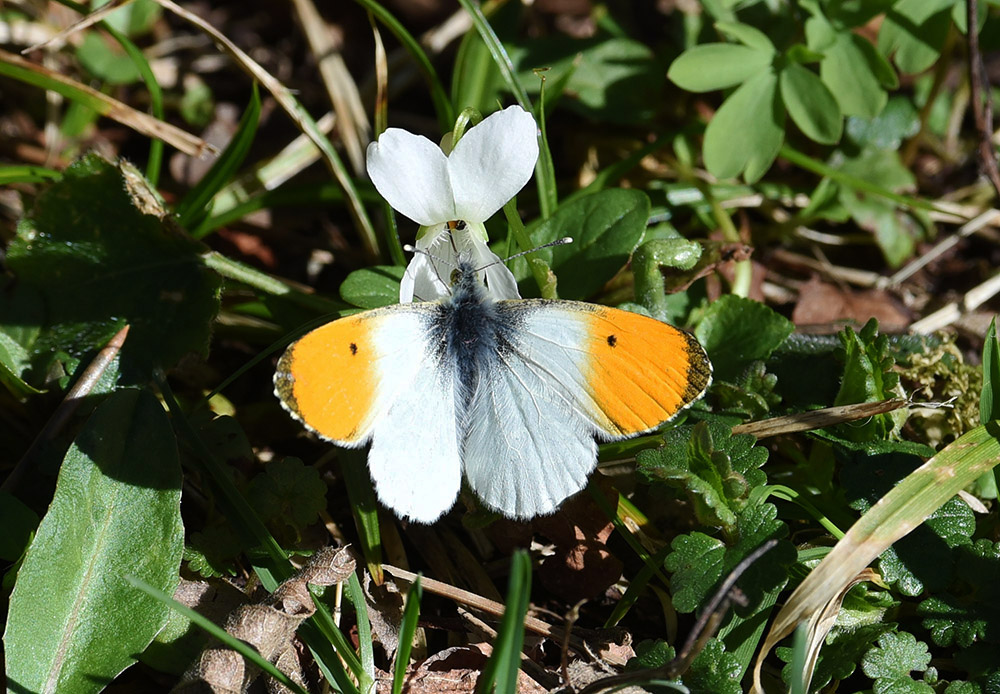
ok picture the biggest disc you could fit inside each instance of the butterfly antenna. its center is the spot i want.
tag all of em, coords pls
(558, 242)
(411, 249)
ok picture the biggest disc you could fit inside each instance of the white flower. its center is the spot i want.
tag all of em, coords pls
(487, 167)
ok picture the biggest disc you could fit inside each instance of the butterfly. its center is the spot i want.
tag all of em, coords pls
(511, 394)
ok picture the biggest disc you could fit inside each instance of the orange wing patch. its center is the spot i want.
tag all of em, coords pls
(642, 372)
(328, 379)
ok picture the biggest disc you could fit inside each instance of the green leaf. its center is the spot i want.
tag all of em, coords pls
(607, 79)
(737, 331)
(196, 205)
(747, 131)
(288, 491)
(967, 613)
(746, 34)
(101, 252)
(712, 66)
(19, 523)
(810, 104)
(134, 19)
(915, 31)
(105, 60)
(500, 672)
(884, 133)
(896, 655)
(74, 621)
(714, 671)
(989, 396)
(605, 226)
(649, 655)
(868, 377)
(715, 468)
(853, 70)
(372, 287)
(407, 629)
(698, 562)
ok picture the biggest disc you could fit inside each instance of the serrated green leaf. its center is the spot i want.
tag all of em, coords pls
(747, 131)
(968, 613)
(605, 227)
(698, 562)
(810, 104)
(115, 514)
(896, 655)
(372, 287)
(713, 671)
(650, 654)
(868, 377)
(288, 491)
(101, 252)
(737, 331)
(716, 469)
(712, 66)
(901, 685)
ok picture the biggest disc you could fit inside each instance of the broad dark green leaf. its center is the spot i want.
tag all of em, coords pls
(747, 131)
(737, 331)
(713, 66)
(810, 104)
(74, 621)
(372, 287)
(605, 227)
(100, 250)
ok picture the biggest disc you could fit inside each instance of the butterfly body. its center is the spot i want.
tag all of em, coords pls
(509, 393)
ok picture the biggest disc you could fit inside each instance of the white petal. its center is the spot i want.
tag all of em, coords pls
(421, 282)
(500, 282)
(411, 173)
(492, 162)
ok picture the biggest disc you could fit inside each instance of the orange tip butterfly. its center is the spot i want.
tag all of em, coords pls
(511, 394)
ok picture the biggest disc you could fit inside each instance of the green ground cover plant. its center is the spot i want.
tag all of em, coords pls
(807, 187)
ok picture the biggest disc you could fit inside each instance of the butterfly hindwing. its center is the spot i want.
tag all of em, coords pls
(376, 375)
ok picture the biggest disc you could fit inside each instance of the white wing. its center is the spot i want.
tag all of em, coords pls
(376, 376)
(414, 458)
(529, 445)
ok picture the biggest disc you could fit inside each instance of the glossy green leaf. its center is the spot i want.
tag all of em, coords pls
(713, 66)
(372, 287)
(101, 251)
(605, 228)
(75, 622)
(737, 331)
(746, 132)
(810, 104)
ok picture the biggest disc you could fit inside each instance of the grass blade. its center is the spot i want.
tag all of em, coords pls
(195, 206)
(407, 629)
(500, 673)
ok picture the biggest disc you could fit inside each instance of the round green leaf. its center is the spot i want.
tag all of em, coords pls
(372, 287)
(717, 66)
(810, 104)
(853, 71)
(747, 130)
(746, 34)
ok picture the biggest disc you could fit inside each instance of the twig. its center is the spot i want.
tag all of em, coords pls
(982, 102)
(817, 419)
